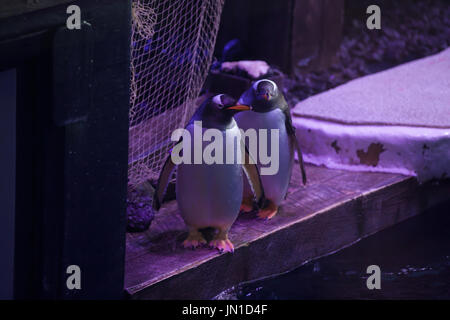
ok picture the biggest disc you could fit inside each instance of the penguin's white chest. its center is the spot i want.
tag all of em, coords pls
(278, 151)
(209, 195)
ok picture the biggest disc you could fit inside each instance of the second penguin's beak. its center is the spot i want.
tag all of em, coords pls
(240, 107)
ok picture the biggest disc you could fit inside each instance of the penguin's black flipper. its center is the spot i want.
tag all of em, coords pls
(294, 140)
(163, 180)
(292, 136)
(252, 173)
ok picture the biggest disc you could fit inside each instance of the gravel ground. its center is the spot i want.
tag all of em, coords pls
(409, 30)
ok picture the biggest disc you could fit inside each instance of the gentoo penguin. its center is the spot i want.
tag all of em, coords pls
(271, 111)
(210, 195)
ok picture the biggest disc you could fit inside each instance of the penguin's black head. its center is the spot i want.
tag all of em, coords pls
(262, 96)
(218, 111)
(265, 90)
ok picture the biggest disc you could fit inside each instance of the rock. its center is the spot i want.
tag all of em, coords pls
(393, 121)
(140, 213)
(254, 68)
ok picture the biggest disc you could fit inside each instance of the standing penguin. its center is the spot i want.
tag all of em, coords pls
(209, 195)
(271, 111)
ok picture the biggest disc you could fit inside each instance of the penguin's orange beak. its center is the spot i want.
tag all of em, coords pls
(240, 107)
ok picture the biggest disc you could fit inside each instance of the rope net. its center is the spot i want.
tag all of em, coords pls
(171, 51)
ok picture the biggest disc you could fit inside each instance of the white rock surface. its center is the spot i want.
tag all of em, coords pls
(395, 121)
(254, 68)
(421, 152)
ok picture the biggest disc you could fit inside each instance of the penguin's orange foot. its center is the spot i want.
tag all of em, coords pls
(268, 212)
(247, 204)
(223, 245)
(194, 240)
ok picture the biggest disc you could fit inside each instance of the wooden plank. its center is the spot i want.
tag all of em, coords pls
(333, 23)
(72, 54)
(96, 160)
(335, 209)
(287, 33)
(316, 33)
(263, 26)
(306, 32)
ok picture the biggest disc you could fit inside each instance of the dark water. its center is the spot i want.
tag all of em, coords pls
(414, 258)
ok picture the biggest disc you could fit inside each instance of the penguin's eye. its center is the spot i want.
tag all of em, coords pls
(218, 101)
(265, 94)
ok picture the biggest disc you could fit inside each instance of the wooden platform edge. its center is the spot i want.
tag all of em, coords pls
(317, 235)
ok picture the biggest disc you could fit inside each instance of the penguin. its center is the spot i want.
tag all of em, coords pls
(271, 111)
(210, 195)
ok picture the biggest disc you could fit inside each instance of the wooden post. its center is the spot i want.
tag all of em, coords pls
(316, 33)
(286, 32)
(72, 145)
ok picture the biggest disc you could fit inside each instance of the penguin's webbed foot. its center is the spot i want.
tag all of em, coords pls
(222, 245)
(195, 239)
(221, 242)
(247, 204)
(268, 212)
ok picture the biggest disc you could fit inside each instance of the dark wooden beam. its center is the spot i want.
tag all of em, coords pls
(9, 8)
(72, 146)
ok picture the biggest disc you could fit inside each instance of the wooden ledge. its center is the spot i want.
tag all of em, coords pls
(335, 209)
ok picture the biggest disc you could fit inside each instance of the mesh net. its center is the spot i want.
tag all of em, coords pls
(171, 52)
